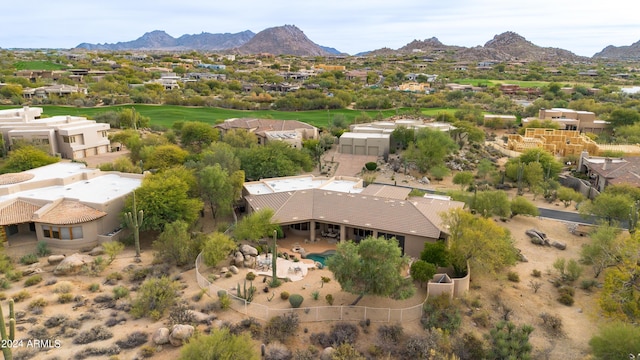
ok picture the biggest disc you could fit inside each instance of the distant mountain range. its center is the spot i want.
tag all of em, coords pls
(289, 40)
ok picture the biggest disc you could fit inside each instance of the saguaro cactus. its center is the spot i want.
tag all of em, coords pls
(275, 282)
(134, 222)
(8, 338)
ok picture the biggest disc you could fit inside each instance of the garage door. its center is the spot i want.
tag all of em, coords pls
(360, 150)
(346, 149)
(373, 150)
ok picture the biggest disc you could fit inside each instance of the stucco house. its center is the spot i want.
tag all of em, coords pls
(604, 171)
(568, 119)
(342, 209)
(72, 137)
(290, 131)
(64, 204)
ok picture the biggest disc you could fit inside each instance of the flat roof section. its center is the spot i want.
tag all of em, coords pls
(98, 190)
(303, 182)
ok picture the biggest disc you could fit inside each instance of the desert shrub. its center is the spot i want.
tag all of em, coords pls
(567, 290)
(181, 314)
(96, 333)
(120, 292)
(588, 284)
(310, 353)
(389, 336)
(220, 344)
(371, 166)
(112, 249)
(315, 295)
(94, 351)
(4, 284)
(154, 298)
(133, 340)
(198, 296)
(39, 332)
(63, 287)
(147, 351)
(38, 303)
(65, 298)
(94, 287)
(513, 276)
(442, 313)
(616, 340)
(536, 273)
(296, 300)
(277, 351)
(139, 275)
(21, 295)
(55, 320)
(284, 295)
(113, 278)
(250, 324)
(29, 259)
(552, 324)
(347, 351)
(280, 328)
(566, 299)
(508, 341)
(329, 299)
(13, 275)
(341, 333)
(104, 298)
(224, 301)
(469, 347)
(481, 318)
(42, 249)
(422, 346)
(32, 280)
(250, 276)
(3, 296)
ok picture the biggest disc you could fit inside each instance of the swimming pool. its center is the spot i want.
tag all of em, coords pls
(320, 257)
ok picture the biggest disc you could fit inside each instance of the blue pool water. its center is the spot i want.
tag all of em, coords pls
(320, 257)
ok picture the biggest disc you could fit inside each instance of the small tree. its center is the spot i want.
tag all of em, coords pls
(463, 178)
(616, 341)
(217, 246)
(219, 344)
(521, 206)
(154, 298)
(112, 249)
(422, 271)
(378, 263)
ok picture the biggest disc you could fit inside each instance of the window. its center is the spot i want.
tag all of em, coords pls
(103, 134)
(62, 232)
(68, 139)
(40, 141)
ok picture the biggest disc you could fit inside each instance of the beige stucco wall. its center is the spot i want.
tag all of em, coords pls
(89, 236)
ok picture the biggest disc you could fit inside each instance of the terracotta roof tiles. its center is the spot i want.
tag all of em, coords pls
(69, 212)
(19, 211)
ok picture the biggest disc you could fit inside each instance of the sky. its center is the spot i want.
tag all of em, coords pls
(583, 27)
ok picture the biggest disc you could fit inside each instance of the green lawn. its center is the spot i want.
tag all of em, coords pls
(166, 115)
(38, 65)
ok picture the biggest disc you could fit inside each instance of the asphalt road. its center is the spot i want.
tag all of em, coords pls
(566, 216)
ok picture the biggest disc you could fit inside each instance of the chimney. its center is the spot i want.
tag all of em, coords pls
(607, 163)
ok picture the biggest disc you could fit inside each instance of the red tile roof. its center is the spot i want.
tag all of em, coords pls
(17, 212)
(69, 212)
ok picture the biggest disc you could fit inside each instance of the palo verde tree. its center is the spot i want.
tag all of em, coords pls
(429, 149)
(26, 158)
(255, 226)
(372, 266)
(165, 199)
(482, 243)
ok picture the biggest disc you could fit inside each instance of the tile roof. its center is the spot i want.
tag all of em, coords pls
(262, 125)
(624, 172)
(418, 217)
(17, 212)
(68, 212)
